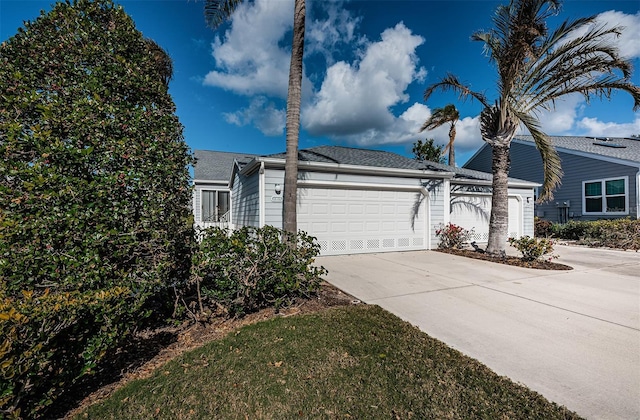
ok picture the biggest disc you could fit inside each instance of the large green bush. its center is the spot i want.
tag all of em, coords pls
(613, 233)
(254, 268)
(94, 195)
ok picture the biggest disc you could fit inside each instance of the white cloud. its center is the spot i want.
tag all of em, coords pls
(354, 100)
(562, 117)
(629, 40)
(326, 35)
(595, 127)
(263, 114)
(250, 59)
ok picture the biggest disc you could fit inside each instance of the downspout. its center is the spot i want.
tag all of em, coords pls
(638, 195)
(261, 196)
(446, 196)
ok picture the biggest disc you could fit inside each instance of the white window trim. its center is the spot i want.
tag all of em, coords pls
(217, 191)
(604, 197)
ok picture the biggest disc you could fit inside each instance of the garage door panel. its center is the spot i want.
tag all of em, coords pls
(359, 221)
(355, 209)
(339, 227)
(320, 227)
(372, 209)
(356, 227)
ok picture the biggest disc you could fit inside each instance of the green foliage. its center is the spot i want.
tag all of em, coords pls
(533, 248)
(427, 151)
(94, 196)
(572, 230)
(613, 233)
(542, 228)
(452, 236)
(254, 268)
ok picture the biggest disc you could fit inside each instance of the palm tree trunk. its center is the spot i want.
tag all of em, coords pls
(499, 221)
(452, 150)
(293, 119)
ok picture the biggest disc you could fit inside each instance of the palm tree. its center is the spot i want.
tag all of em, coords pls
(448, 114)
(535, 68)
(216, 12)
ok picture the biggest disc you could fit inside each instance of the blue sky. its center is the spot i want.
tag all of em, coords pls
(367, 64)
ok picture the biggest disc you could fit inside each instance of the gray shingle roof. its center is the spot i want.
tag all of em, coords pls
(217, 166)
(379, 159)
(212, 165)
(625, 148)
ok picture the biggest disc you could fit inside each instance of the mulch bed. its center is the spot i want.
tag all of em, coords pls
(508, 260)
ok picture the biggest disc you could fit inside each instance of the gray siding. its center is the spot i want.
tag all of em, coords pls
(245, 195)
(481, 161)
(576, 170)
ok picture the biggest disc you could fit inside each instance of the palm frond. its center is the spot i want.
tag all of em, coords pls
(217, 12)
(440, 116)
(451, 83)
(550, 158)
(589, 65)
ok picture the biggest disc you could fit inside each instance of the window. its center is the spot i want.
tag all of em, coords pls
(605, 196)
(215, 205)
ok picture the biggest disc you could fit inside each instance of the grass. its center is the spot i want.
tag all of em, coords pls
(350, 362)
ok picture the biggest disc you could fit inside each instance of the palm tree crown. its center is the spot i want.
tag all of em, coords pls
(535, 68)
(448, 114)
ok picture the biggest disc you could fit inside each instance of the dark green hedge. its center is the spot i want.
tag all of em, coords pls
(94, 195)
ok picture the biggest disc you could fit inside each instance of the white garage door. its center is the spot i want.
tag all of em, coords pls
(473, 211)
(349, 221)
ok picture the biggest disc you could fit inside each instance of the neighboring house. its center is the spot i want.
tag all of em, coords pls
(211, 193)
(601, 176)
(358, 201)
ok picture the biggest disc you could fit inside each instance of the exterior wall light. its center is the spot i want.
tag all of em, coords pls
(278, 189)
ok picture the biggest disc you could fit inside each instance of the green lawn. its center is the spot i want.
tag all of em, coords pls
(349, 362)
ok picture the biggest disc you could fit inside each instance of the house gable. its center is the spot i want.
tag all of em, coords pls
(584, 159)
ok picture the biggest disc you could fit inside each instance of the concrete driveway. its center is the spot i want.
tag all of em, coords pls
(573, 336)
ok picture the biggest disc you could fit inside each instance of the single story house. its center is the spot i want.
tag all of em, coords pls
(357, 200)
(601, 175)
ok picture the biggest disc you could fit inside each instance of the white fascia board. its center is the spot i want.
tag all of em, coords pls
(511, 183)
(352, 169)
(210, 182)
(361, 186)
(603, 158)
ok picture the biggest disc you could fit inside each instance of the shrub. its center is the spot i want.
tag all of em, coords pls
(94, 196)
(572, 230)
(254, 268)
(532, 248)
(542, 228)
(613, 233)
(452, 236)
